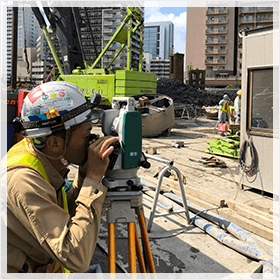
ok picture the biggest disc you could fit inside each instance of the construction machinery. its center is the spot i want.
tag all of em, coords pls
(157, 118)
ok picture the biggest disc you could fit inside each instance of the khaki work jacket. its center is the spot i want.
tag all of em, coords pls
(39, 231)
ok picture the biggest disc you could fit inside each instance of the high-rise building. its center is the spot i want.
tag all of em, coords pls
(159, 39)
(28, 31)
(104, 23)
(213, 43)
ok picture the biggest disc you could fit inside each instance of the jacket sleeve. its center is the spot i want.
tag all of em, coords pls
(69, 240)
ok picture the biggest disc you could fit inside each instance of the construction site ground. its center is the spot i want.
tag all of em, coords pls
(181, 248)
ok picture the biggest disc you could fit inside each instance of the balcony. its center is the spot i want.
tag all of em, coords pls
(217, 11)
(215, 51)
(264, 9)
(210, 11)
(215, 61)
(223, 11)
(215, 31)
(222, 61)
(246, 10)
(216, 21)
(222, 41)
(107, 30)
(265, 18)
(210, 42)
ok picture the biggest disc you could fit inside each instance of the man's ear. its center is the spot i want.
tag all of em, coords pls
(55, 144)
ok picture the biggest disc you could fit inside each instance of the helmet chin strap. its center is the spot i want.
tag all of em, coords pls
(63, 160)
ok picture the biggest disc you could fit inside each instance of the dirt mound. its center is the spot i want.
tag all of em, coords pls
(185, 96)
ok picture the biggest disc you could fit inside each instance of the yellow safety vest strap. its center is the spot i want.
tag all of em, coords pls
(30, 161)
(17, 159)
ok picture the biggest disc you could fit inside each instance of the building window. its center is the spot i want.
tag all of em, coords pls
(209, 39)
(210, 19)
(222, 39)
(260, 91)
(222, 68)
(210, 29)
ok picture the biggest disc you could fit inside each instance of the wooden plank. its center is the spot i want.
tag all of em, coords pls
(263, 218)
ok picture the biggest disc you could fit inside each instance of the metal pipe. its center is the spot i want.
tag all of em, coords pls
(52, 48)
(166, 161)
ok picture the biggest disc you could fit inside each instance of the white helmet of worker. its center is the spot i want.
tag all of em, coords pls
(56, 106)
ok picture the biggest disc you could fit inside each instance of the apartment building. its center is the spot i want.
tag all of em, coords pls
(159, 39)
(104, 23)
(248, 18)
(160, 67)
(213, 43)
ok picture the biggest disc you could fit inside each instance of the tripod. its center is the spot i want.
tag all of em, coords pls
(122, 207)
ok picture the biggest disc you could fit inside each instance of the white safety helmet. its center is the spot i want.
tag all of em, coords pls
(56, 106)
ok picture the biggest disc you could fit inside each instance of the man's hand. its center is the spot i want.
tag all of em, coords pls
(98, 157)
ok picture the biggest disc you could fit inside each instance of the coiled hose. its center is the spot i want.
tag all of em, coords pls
(251, 169)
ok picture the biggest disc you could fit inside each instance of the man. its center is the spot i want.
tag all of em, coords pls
(224, 109)
(51, 228)
(237, 107)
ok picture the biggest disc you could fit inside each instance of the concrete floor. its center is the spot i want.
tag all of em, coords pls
(176, 246)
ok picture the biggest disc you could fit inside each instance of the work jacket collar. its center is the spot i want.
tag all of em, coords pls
(56, 177)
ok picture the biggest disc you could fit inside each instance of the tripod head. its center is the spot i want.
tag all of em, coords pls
(126, 123)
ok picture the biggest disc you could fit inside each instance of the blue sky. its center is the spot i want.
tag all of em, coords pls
(178, 15)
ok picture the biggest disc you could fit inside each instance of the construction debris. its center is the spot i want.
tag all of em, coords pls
(213, 162)
(189, 99)
(177, 144)
(151, 151)
(210, 162)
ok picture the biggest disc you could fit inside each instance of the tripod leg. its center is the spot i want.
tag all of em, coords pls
(139, 254)
(131, 248)
(111, 248)
(146, 243)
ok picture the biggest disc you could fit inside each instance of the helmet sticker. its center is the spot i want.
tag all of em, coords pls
(53, 95)
(60, 104)
(61, 93)
(45, 97)
(34, 94)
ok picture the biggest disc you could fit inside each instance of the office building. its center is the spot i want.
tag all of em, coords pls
(28, 32)
(213, 43)
(159, 39)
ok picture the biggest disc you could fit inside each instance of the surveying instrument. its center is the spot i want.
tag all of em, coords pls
(124, 195)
